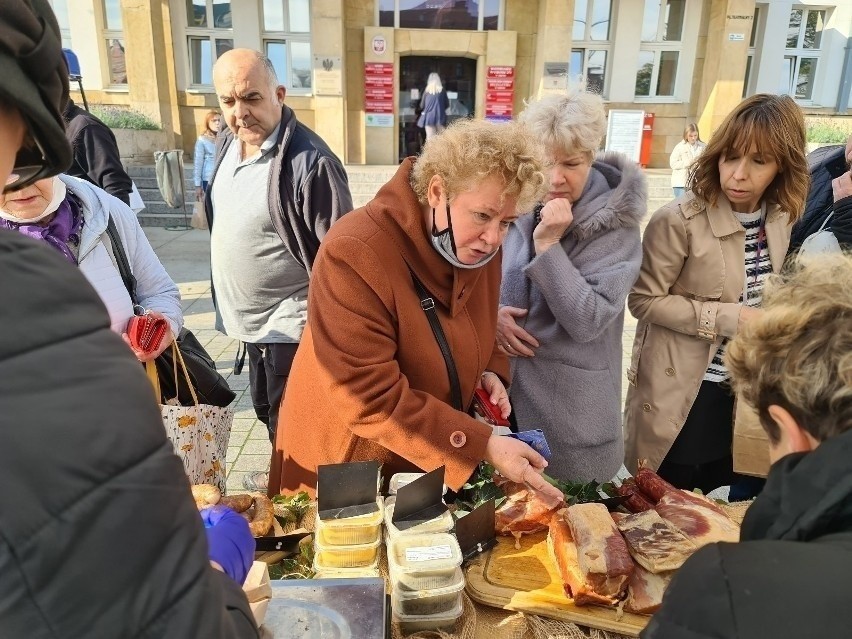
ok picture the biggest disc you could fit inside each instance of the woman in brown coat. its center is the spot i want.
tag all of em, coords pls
(369, 381)
(705, 258)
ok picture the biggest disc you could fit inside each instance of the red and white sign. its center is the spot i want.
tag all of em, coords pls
(498, 109)
(500, 84)
(378, 87)
(499, 97)
(501, 72)
(378, 68)
(379, 106)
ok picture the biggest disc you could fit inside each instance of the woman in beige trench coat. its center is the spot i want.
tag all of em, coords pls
(701, 253)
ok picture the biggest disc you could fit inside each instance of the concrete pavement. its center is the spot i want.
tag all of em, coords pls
(186, 256)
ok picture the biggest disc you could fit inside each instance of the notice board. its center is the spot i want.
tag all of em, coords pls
(624, 132)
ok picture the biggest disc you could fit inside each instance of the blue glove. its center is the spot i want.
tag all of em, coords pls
(230, 541)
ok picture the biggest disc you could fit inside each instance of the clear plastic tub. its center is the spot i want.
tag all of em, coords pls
(437, 554)
(354, 556)
(441, 524)
(399, 480)
(347, 573)
(419, 581)
(441, 621)
(428, 601)
(363, 529)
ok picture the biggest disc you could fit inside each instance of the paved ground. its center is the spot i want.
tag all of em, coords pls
(186, 256)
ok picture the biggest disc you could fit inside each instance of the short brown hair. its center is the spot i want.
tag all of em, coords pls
(798, 352)
(469, 151)
(775, 125)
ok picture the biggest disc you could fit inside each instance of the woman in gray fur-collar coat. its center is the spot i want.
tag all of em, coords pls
(567, 271)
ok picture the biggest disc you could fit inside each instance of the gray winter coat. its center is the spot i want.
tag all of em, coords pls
(575, 294)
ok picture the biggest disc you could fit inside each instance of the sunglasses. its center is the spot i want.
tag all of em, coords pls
(31, 165)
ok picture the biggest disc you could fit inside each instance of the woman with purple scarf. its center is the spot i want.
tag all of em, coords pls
(71, 216)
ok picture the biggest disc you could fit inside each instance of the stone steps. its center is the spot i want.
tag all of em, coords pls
(364, 182)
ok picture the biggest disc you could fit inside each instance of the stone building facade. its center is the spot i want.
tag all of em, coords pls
(355, 69)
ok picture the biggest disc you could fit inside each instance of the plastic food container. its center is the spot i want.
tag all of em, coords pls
(399, 480)
(354, 556)
(363, 529)
(347, 573)
(434, 555)
(419, 581)
(428, 602)
(441, 524)
(414, 623)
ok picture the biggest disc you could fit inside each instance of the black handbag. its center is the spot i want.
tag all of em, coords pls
(210, 387)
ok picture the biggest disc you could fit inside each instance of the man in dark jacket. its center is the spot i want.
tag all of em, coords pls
(275, 191)
(96, 156)
(825, 165)
(788, 577)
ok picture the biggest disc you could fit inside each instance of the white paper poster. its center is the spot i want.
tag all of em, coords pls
(624, 132)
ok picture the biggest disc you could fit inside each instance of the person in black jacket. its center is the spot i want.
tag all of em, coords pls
(96, 156)
(826, 164)
(99, 536)
(788, 577)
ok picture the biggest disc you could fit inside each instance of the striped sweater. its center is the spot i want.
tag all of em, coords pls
(757, 268)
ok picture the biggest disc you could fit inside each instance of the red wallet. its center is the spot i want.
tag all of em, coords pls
(146, 332)
(488, 411)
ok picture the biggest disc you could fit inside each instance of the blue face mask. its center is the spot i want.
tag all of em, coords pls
(445, 244)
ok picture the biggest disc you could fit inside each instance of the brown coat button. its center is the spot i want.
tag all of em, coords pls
(646, 408)
(458, 439)
(670, 372)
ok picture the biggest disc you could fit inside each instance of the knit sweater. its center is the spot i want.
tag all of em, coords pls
(575, 293)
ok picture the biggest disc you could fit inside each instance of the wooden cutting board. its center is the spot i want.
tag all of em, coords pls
(526, 580)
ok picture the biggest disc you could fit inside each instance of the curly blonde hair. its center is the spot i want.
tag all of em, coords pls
(798, 352)
(469, 151)
(571, 123)
(774, 124)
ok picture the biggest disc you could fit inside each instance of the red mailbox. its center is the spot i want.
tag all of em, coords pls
(647, 134)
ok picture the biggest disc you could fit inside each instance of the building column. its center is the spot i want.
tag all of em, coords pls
(553, 44)
(725, 61)
(150, 69)
(381, 142)
(329, 110)
(769, 78)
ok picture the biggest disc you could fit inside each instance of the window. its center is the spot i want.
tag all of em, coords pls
(287, 42)
(60, 8)
(470, 15)
(801, 57)
(657, 63)
(209, 35)
(592, 38)
(751, 64)
(113, 35)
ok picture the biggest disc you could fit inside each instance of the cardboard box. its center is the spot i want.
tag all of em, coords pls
(751, 443)
(258, 590)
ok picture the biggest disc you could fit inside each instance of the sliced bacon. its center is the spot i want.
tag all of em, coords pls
(645, 591)
(654, 543)
(525, 511)
(701, 520)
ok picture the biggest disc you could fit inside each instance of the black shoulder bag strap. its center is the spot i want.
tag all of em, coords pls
(427, 303)
(123, 265)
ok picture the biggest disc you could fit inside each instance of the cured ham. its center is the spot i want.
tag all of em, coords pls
(654, 543)
(591, 555)
(525, 511)
(699, 519)
(645, 591)
(575, 581)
